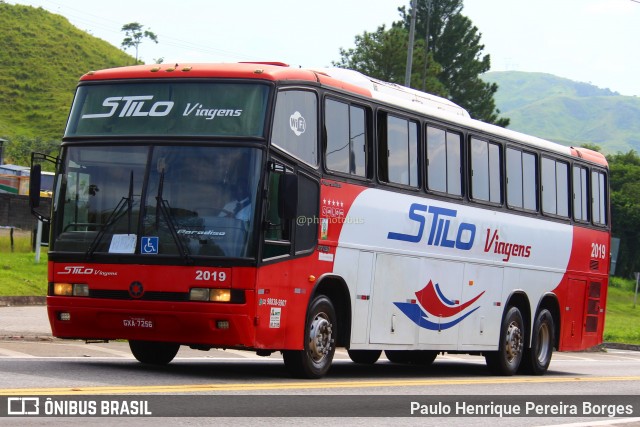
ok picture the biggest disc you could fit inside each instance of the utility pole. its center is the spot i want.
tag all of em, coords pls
(412, 30)
(426, 47)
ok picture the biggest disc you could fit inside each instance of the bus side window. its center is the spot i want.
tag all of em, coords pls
(398, 151)
(486, 174)
(521, 180)
(444, 161)
(580, 198)
(277, 232)
(308, 211)
(555, 187)
(345, 127)
(295, 124)
(599, 197)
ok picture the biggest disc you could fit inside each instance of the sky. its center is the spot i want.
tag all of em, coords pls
(593, 41)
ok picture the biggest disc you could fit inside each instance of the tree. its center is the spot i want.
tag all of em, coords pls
(18, 150)
(134, 35)
(454, 59)
(383, 54)
(455, 43)
(624, 184)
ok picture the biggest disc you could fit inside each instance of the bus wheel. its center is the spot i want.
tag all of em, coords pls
(154, 353)
(319, 343)
(413, 357)
(537, 358)
(507, 359)
(366, 357)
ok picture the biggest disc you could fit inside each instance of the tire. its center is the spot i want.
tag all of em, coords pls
(537, 358)
(315, 359)
(506, 360)
(411, 357)
(365, 357)
(154, 353)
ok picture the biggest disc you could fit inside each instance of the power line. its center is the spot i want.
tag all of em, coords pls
(108, 25)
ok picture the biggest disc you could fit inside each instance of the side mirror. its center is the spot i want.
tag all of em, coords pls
(288, 196)
(35, 184)
(35, 178)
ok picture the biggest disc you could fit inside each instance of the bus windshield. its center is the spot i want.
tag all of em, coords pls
(195, 109)
(157, 200)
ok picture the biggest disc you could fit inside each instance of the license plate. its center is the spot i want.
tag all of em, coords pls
(137, 322)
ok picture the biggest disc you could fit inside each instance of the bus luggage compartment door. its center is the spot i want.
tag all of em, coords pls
(403, 290)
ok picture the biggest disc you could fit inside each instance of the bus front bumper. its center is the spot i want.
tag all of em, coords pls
(209, 324)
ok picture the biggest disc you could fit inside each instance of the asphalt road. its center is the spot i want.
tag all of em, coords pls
(34, 364)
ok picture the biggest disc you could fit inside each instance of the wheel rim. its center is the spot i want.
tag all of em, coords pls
(544, 344)
(514, 342)
(320, 341)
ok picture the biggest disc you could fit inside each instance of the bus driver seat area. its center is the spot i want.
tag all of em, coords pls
(224, 219)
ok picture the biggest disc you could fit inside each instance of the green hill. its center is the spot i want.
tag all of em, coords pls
(42, 57)
(566, 111)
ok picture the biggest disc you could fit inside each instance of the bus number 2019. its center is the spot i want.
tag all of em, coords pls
(214, 276)
(598, 251)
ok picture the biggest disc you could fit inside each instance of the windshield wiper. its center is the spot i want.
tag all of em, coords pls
(116, 214)
(163, 206)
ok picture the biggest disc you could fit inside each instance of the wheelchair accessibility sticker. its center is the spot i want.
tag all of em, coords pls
(149, 245)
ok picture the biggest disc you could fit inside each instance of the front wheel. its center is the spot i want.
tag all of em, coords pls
(154, 353)
(507, 359)
(537, 358)
(319, 342)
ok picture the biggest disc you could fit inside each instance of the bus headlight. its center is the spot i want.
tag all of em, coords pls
(207, 294)
(71, 289)
(199, 294)
(81, 290)
(220, 295)
(63, 289)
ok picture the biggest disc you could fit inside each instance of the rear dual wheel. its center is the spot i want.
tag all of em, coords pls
(537, 358)
(513, 354)
(506, 360)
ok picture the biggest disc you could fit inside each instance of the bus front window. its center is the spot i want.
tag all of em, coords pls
(99, 197)
(198, 201)
(201, 200)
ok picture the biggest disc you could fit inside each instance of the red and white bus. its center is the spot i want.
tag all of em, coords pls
(259, 207)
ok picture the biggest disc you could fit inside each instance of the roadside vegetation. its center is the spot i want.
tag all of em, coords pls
(622, 319)
(19, 273)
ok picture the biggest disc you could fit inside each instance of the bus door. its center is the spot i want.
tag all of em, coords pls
(573, 312)
(481, 289)
(362, 304)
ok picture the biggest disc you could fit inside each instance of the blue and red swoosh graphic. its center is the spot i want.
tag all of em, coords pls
(432, 301)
